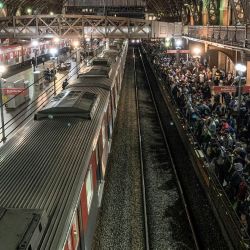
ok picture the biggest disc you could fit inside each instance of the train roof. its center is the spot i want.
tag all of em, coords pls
(43, 167)
(111, 51)
(99, 71)
(95, 71)
(111, 54)
(100, 82)
(70, 103)
(100, 61)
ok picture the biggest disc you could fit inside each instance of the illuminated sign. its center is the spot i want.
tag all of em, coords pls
(230, 89)
(175, 51)
(14, 91)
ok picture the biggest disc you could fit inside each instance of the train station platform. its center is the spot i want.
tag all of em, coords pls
(39, 95)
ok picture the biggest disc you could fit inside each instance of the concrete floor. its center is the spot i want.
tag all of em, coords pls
(39, 96)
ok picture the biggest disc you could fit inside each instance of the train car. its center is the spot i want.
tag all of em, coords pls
(52, 171)
(16, 54)
(110, 65)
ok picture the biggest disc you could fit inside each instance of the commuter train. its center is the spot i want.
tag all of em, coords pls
(16, 54)
(53, 170)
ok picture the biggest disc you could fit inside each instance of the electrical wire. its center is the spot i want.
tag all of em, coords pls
(39, 98)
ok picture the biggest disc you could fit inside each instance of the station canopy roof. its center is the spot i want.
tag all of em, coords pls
(163, 9)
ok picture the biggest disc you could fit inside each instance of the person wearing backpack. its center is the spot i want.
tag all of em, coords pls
(65, 84)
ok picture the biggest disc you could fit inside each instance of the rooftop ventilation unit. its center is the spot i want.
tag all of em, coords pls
(21, 229)
(101, 62)
(95, 71)
(75, 104)
(98, 82)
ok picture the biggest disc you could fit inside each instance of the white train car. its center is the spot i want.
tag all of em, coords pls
(52, 172)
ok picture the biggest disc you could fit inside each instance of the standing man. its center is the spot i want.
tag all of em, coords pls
(43, 60)
(33, 62)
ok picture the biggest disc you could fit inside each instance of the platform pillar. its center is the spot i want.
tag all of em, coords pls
(225, 13)
(204, 16)
(191, 20)
(248, 74)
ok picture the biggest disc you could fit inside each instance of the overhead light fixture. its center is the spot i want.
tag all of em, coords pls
(29, 11)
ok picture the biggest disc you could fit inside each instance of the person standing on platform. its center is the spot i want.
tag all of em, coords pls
(43, 60)
(33, 62)
(65, 84)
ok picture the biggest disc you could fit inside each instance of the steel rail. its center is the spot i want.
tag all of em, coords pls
(171, 158)
(144, 200)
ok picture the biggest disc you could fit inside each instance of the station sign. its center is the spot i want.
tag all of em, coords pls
(14, 91)
(230, 89)
(246, 89)
(224, 89)
(175, 51)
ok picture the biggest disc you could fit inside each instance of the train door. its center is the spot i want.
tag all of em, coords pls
(114, 99)
(109, 124)
(75, 233)
(81, 230)
(117, 88)
(73, 241)
(99, 175)
(87, 208)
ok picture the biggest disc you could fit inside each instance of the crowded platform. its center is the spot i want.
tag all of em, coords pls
(216, 107)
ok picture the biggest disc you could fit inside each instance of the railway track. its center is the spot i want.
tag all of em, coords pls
(167, 213)
(120, 221)
(160, 223)
(205, 229)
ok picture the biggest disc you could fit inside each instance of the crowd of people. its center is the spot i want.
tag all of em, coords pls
(219, 121)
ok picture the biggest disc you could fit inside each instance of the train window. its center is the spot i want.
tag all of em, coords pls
(89, 187)
(75, 231)
(103, 134)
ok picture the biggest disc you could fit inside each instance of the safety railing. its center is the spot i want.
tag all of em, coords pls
(229, 35)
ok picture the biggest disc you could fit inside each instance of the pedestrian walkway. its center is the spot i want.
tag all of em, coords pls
(39, 96)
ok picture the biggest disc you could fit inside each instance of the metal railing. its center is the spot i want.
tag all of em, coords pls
(30, 108)
(73, 26)
(228, 35)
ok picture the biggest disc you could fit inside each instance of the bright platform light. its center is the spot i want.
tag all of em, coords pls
(76, 43)
(240, 67)
(34, 43)
(53, 51)
(56, 39)
(2, 69)
(178, 43)
(197, 51)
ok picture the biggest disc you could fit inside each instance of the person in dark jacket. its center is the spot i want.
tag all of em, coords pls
(33, 62)
(65, 84)
(235, 181)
